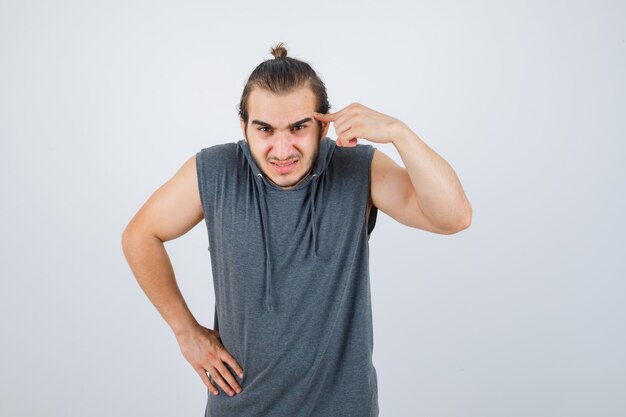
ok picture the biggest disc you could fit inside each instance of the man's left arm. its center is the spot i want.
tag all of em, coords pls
(427, 194)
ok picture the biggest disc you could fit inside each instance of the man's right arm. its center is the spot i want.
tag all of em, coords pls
(171, 211)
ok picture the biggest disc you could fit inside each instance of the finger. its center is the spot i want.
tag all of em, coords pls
(348, 137)
(226, 380)
(330, 117)
(230, 360)
(347, 143)
(351, 143)
(342, 125)
(219, 381)
(206, 381)
(325, 117)
(230, 378)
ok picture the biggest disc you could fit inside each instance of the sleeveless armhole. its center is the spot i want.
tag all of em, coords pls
(201, 172)
(371, 221)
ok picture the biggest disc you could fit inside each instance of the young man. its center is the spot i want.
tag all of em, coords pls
(288, 214)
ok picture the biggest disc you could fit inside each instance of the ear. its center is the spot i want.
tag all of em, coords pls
(243, 128)
(325, 126)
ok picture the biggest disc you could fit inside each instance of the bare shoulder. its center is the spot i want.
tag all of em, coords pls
(174, 208)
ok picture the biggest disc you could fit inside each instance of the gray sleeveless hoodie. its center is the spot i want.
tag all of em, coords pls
(291, 279)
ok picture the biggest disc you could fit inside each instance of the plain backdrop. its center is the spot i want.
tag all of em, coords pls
(522, 314)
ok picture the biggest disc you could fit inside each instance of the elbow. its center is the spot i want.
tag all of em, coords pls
(129, 237)
(135, 235)
(126, 238)
(467, 217)
(464, 222)
(467, 221)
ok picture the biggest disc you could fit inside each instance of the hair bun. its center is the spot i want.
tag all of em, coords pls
(279, 51)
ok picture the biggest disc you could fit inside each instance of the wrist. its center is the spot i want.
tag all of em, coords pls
(181, 329)
(402, 135)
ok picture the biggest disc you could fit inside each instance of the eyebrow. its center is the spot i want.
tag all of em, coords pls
(294, 124)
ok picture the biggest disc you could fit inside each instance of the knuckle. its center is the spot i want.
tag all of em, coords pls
(225, 356)
(206, 357)
(223, 370)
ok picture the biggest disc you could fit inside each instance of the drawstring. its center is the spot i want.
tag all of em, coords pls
(260, 189)
(266, 242)
(268, 266)
(312, 203)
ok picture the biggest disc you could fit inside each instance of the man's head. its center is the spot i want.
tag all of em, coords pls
(276, 115)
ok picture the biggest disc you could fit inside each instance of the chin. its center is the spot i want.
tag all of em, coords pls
(287, 181)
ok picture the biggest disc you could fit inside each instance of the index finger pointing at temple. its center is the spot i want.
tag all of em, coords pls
(328, 117)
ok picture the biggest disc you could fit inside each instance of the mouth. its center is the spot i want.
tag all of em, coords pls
(285, 167)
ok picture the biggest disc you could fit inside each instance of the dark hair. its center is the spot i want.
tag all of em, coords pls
(282, 75)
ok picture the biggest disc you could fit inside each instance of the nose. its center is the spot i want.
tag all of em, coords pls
(283, 148)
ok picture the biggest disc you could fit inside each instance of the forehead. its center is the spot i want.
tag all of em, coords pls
(281, 109)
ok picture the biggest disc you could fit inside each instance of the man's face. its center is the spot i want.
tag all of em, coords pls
(282, 134)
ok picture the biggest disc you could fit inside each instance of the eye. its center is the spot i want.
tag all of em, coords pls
(263, 127)
(302, 126)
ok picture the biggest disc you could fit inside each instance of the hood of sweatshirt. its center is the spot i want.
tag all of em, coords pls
(324, 155)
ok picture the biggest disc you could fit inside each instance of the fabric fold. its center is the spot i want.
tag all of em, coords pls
(322, 159)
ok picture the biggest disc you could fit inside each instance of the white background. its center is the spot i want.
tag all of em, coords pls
(522, 314)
